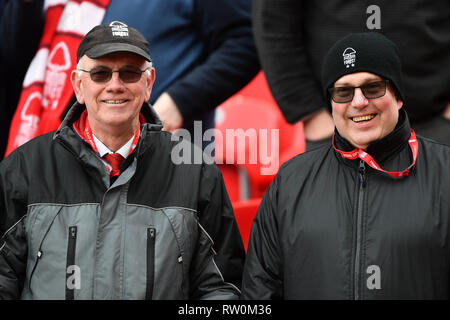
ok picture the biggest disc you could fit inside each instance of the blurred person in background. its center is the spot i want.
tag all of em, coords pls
(292, 36)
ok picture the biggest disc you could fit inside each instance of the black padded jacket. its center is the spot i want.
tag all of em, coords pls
(333, 228)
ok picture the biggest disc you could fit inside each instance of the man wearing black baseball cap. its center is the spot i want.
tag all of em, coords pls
(98, 210)
(367, 217)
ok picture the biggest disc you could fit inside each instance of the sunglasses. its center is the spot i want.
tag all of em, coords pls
(128, 74)
(371, 90)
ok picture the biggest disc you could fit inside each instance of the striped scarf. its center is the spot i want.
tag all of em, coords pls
(47, 89)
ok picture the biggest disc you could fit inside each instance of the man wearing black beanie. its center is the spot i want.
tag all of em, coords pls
(293, 36)
(367, 217)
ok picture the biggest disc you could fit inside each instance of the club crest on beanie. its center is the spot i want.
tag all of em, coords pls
(113, 37)
(362, 52)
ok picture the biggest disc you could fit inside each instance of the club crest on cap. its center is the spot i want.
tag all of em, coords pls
(349, 57)
(119, 29)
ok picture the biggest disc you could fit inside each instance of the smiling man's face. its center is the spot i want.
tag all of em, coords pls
(363, 120)
(114, 104)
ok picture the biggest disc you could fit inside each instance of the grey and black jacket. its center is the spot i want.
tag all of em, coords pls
(160, 231)
(334, 228)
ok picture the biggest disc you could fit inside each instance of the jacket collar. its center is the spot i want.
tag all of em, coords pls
(71, 140)
(385, 147)
(83, 152)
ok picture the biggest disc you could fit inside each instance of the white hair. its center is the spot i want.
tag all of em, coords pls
(148, 66)
(79, 72)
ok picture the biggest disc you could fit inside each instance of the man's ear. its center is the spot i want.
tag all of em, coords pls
(151, 75)
(399, 100)
(77, 86)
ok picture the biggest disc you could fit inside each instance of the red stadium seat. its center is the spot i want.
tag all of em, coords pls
(252, 123)
(259, 141)
(245, 212)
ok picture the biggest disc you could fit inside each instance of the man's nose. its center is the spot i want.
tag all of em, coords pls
(359, 100)
(115, 83)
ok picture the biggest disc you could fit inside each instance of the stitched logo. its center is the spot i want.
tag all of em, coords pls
(119, 29)
(349, 57)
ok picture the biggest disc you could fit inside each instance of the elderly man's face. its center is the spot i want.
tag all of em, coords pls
(114, 104)
(363, 120)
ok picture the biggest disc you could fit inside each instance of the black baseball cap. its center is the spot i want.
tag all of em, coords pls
(113, 37)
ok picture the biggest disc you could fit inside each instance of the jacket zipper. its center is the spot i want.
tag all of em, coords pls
(71, 247)
(151, 238)
(362, 184)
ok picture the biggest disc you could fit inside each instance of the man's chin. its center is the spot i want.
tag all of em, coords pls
(361, 140)
(118, 122)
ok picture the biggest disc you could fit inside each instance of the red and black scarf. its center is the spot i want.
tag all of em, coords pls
(47, 89)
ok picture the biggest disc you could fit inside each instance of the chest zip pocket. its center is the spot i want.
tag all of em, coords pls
(40, 252)
(72, 271)
(151, 239)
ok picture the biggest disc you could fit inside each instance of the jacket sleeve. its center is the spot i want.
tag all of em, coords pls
(230, 57)
(262, 278)
(279, 38)
(13, 244)
(220, 254)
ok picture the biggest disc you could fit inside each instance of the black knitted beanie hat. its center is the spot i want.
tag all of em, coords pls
(362, 52)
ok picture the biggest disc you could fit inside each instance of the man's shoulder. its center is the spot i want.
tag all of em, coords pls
(298, 169)
(434, 154)
(27, 157)
(30, 147)
(434, 145)
(306, 159)
(173, 144)
(181, 151)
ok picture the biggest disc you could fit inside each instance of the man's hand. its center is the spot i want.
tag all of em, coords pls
(446, 113)
(168, 112)
(318, 126)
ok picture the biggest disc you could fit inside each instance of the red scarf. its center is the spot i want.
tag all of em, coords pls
(82, 127)
(47, 89)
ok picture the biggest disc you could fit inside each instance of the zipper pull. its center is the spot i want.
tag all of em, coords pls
(39, 254)
(362, 174)
(151, 232)
(73, 232)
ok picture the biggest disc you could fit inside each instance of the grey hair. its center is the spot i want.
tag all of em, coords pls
(79, 72)
(148, 66)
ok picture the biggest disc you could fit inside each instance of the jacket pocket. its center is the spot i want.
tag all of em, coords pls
(151, 239)
(72, 282)
(40, 253)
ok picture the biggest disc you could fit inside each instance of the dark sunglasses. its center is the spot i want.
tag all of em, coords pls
(128, 74)
(371, 90)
